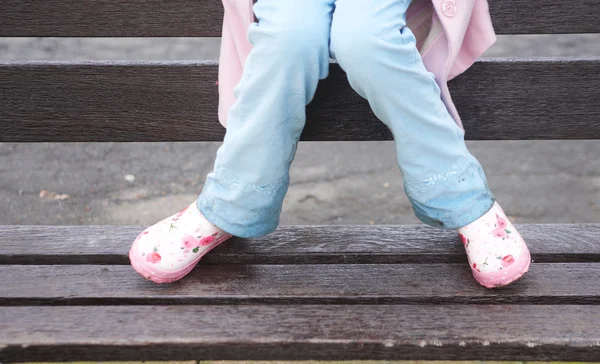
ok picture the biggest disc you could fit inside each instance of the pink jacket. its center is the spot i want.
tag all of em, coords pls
(451, 36)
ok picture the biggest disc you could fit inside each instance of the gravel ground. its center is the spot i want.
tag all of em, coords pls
(332, 183)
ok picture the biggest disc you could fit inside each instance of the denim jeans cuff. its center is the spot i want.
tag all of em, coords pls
(243, 231)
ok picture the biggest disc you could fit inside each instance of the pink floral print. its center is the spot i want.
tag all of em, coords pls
(189, 242)
(207, 240)
(499, 233)
(153, 257)
(169, 249)
(501, 222)
(508, 260)
(501, 230)
(494, 248)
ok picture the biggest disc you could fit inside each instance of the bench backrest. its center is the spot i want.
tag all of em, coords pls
(498, 99)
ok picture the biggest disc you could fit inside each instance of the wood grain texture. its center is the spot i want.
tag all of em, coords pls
(546, 283)
(331, 332)
(381, 244)
(177, 101)
(545, 17)
(110, 18)
(185, 18)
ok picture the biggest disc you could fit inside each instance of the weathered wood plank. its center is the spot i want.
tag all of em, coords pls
(379, 244)
(542, 16)
(177, 101)
(546, 283)
(184, 18)
(294, 245)
(330, 332)
(110, 18)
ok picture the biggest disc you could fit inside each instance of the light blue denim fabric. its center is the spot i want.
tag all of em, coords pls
(292, 43)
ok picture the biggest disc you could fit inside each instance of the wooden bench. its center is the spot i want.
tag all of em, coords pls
(304, 292)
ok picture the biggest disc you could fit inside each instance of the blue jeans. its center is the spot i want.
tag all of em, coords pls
(292, 43)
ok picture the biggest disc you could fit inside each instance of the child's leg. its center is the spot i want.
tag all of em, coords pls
(244, 193)
(444, 182)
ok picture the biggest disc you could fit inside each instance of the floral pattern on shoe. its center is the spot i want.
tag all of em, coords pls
(496, 252)
(169, 249)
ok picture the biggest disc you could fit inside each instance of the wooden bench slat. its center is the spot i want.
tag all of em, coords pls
(546, 283)
(316, 332)
(383, 244)
(177, 101)
(110, 18)
(183, 18)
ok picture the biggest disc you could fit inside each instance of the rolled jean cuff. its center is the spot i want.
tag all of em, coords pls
(452, 219)
(254, 215)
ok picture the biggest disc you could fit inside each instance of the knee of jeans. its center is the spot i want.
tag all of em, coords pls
(352, 44)
(295, 41)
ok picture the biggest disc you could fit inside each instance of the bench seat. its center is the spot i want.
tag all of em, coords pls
(304, 292)
(318, 292)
